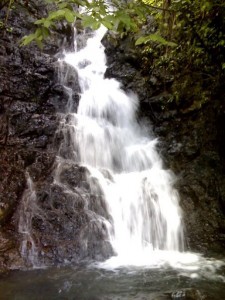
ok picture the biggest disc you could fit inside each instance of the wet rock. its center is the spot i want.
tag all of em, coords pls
(9, 252)
(5, 244)
(12, 183)
(74, 176)
(183, 294)
(67, 229)
(66, 226)
(187, 294)
(28, 121)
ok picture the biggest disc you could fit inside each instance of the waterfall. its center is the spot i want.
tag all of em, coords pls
(121, 156)
(28, 207)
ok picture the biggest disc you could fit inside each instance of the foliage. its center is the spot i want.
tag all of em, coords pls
(193, 27)
(199, 27)
(120, 16)
(178, 36)
(197, 62)
(155, 38)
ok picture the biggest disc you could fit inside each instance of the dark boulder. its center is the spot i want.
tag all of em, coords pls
(65, 226)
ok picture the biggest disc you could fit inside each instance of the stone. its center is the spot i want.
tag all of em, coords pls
(187, 294)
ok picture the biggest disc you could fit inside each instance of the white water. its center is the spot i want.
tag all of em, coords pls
(28, 207)
(146, 222)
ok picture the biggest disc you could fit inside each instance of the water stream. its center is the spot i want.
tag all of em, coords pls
(29, 249)
(142, 218)
(121, 155)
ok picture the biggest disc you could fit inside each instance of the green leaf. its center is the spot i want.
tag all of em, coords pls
(62, 5)
(39, 36)
(70, 17)
(157, 38)
(56, 14)
(38, 32)
(82, 3)
(107, 22)
(125, 19)
(141, 40)
(45, 32)
(38, 22)
(116, 24)
(96, 25)
(102, 9)
(47, 23)
(39, 43)
(88, 21)
(27, 39)
(77, 14)
(109, 18)
(171, 44)
(154, 38)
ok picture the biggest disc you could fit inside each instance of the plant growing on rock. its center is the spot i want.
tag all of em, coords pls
(177, 36)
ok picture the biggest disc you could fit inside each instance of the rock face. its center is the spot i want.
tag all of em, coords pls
(29, 98)
(43, 221)
(61, 225)
(191, 137)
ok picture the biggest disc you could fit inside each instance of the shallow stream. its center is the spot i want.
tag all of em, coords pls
(90, 283)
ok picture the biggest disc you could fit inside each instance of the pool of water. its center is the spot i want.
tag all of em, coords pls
(124, 283)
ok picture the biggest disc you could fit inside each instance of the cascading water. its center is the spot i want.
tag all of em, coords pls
(109, 190)
(121, 156)
(28, 206)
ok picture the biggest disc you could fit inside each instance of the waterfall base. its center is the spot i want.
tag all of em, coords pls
(125, 284)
